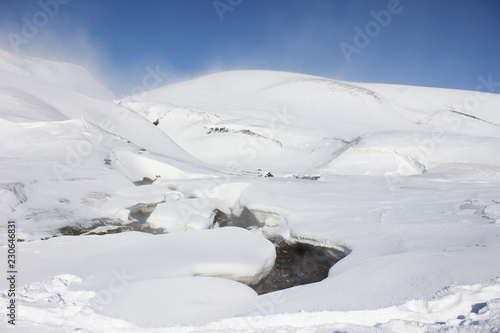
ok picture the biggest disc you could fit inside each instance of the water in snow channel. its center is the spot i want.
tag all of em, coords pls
(296, 263)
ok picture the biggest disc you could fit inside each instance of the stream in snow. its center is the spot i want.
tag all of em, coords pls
(296, 263)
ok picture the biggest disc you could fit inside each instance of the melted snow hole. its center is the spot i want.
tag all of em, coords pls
(296, 263)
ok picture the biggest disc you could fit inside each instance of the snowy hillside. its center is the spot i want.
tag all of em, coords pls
(402, 181)
(291, 123)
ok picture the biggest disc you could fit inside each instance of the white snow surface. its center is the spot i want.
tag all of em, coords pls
(405, 180)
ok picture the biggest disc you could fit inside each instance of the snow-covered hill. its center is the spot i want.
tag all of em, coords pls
(291, 123)
(64, 146)
(403, 180)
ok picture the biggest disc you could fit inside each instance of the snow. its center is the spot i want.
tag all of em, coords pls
(186, 215)
(207, 297)
(401, 318)
(230, 252)
(404, 180)
(143, 265)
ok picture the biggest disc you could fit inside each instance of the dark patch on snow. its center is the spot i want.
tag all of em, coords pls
(245, 220)
(307, 177)
(474, 117)
(298, 264)
(221, 219)
(475, 308)
(263, 174)
(215, 130)
(106, 226)
(144, 181)
(71, 231)
(141, 212)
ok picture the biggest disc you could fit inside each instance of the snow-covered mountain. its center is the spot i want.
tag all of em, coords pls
(291, 123)
(403, 180)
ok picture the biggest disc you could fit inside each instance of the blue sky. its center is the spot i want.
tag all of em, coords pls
(445, 43)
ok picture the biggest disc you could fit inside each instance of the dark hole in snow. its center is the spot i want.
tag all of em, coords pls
(141, 212)
(475, 308)
(245, 220)
(296, 263)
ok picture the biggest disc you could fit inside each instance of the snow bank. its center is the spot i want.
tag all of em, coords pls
(459, 308)
(228, 252)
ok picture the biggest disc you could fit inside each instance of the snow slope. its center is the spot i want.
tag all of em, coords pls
(57, 132)
(291, 123)
(35, 90)
(404, 180)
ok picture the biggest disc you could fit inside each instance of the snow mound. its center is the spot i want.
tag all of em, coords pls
(186, 215)
(232, 253)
